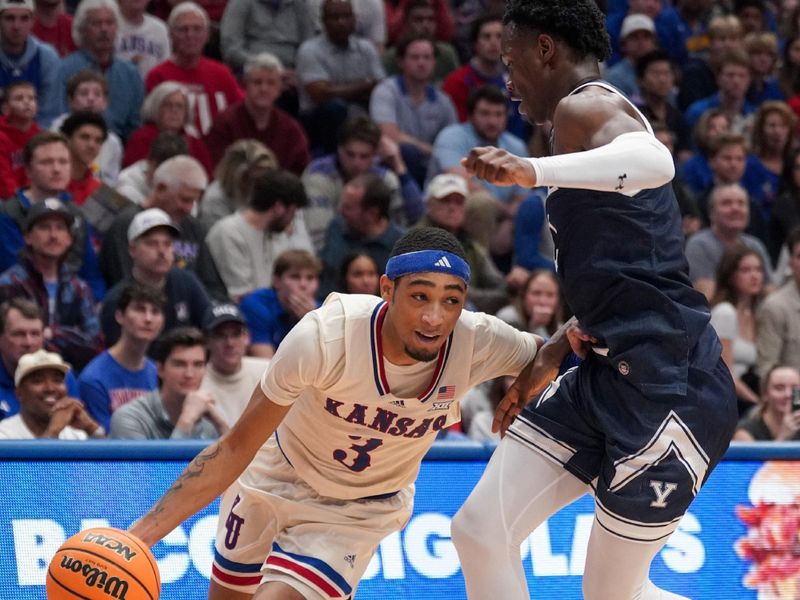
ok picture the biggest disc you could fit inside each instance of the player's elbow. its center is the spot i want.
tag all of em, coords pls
(662, 163)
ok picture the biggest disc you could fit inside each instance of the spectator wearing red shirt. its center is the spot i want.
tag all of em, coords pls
(396, 11)
(485, 67)
(258, 118)
(53, 26)
(85, 132)
(17, 126)
(166, 109)
(211, 85)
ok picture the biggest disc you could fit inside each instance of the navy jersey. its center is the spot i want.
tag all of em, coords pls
(624, 275)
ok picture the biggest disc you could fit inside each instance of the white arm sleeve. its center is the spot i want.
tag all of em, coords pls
(629, 163)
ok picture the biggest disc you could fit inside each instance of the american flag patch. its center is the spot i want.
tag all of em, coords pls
(446, 392)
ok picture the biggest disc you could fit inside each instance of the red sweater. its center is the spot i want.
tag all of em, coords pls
(212, 88)
(81, 189)
(12, 171)
(59, 36)
(283, 135)
(396, 19)
(140, 141)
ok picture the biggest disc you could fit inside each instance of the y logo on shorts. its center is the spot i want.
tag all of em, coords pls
(233, 526)
(662, 490)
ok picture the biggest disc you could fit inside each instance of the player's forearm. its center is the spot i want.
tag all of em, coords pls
(206, 477)
(630, 162)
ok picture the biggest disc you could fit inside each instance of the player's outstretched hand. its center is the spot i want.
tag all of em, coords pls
(499, 167)
(531, 381)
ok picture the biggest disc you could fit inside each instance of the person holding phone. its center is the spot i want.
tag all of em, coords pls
(778, 416)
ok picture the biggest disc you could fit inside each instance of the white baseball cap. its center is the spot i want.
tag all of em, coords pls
(150, 219)
(27, 4)
(446, 184)
(637, 22)
(36, 361)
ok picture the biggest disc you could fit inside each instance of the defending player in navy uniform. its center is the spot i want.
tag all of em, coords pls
(650, 411)
(321, 465)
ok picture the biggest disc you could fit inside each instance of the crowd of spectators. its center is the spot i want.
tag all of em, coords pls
(182, 182)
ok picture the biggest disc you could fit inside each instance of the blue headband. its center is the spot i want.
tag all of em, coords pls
(422, 261)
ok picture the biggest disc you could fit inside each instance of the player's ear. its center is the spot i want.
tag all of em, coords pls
(545, 47)
(387, 288)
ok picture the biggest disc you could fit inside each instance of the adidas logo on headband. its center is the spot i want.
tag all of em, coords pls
(428, 260)
(443, 262)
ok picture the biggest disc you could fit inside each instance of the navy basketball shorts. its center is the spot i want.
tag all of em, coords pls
(645, 457)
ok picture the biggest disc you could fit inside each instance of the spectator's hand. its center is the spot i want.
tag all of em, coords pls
(517, 277)
(500, 167)
(789, 426)
(300, 305)
(389, 153)
(61, 415)
(195, 405)
(216, 417)
(82, 420)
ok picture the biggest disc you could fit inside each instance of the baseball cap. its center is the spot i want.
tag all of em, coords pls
(446, 184)
(222, 313)
(4, 4)
(633, 23)
(150, 219)
(46, 208)
(36, 361)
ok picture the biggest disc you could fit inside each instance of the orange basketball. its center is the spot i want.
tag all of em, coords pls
(103, 563)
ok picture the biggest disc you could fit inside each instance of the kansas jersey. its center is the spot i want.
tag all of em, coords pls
(619, 256)
(360, 426)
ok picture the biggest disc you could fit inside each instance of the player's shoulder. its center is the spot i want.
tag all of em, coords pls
(340, 313)
(481, 324)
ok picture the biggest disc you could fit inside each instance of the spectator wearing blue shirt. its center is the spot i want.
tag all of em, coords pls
(21, 332)
(41, 275)
(123, 372)
(46, 157)
(637, 38)
(95, 29)
(762, 48)
(23, 57)
(733, 81)
(272, 312)
(408, 108)
(698, 75)
(490, 214)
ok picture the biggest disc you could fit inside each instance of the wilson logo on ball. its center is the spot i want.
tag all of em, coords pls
(95, 577)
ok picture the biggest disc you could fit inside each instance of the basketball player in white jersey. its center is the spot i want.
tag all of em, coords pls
(335, 433)
(643, 420)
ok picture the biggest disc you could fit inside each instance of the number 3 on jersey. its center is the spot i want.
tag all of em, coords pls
(362, 459)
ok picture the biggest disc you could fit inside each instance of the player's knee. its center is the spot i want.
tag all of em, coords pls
(466, 529)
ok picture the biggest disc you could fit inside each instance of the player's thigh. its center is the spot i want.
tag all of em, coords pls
(518, 491)
(218, 592)
(246, 527)
(279, 590)
(653, 468)
(325, 545)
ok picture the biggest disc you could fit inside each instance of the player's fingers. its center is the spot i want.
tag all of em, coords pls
(469, 163)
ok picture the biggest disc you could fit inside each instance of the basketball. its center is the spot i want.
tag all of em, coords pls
(103, 563)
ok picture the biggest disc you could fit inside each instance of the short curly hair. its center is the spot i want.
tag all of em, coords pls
(428, 238)
(578, 23)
